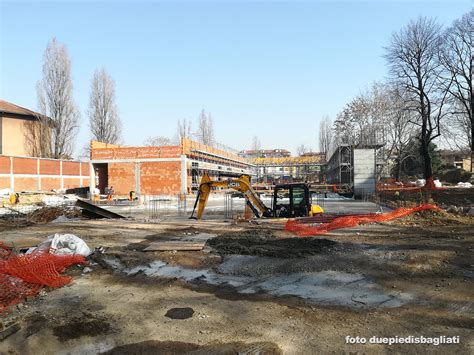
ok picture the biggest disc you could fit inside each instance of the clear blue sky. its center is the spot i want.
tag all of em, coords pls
(267, 68)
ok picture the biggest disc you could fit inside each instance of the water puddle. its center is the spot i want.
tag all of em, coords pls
(324, 287)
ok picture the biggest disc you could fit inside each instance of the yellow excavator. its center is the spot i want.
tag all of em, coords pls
(289, 200)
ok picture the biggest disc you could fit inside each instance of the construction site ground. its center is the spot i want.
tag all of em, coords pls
(253, 288)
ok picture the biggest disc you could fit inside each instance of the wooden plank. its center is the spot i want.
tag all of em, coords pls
(12, 329)
(164, 246)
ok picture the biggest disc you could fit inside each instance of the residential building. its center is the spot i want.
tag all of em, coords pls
(24, 133)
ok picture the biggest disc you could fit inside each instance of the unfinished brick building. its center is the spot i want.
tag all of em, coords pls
(164, 170)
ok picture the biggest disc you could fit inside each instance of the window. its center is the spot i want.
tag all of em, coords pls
(298, 196)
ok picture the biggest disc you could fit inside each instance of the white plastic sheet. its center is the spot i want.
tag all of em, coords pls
(65, 244)
(420, 182)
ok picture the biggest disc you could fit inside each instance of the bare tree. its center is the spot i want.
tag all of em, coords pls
(55, 98)
(412, 56)
(399, 128)
(457, 58)
(302, 149)
(345, 130)
(38, 137)
(104, 120)
(158, 141)
(256, 143)
(183, 129)
(325, 136)
(205, 132)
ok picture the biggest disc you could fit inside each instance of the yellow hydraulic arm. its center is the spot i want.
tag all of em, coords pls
(241, 184)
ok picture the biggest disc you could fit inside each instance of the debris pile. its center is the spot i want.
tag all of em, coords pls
(49, 214)
(432, 218)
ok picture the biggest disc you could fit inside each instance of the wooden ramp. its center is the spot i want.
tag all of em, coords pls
(93, 211)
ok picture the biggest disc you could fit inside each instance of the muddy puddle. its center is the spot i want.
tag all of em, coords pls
(256, 275)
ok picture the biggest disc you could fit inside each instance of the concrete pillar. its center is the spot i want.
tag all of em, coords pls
(184, 174)
(137, 179)
(80, 174)
(38, 173)
(91, 179)
(12, 178)
(61, 173)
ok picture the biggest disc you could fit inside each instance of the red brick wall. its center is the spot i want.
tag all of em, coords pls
(49, 167)
(26, 184)
(71, 168)
(85, 169)
(25, 166)
(122, 177)
(4, 165)
(4, 183)
(136, 152)
(70, 183)
(48, 183)
(160, 178)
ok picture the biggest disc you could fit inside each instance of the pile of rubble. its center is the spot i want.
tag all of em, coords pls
(51, 214)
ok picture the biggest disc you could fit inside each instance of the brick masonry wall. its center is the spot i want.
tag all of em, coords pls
(71, 168)
(122, 177)
(29, 184)
(49, 167)
(158, 178)
(4, 165)
(26, 177)
(85, 169)
(25, 166)
(136, 153)
(70, 183)
(48, 184)
(4, 182)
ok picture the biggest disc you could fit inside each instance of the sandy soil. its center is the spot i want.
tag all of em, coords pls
(112, 310)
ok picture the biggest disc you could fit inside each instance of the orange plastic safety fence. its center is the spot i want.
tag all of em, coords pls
(351, 221)
(25, 275)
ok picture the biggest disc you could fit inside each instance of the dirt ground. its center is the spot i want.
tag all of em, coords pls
(411, 277)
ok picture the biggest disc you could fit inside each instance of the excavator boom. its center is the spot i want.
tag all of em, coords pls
(241, 184)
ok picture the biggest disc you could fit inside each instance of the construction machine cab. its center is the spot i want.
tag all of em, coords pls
(291, 200)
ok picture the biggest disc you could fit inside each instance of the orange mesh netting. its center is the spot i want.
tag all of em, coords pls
(302, 229)
(25, 275)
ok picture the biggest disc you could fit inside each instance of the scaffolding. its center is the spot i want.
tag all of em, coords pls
(339, 169)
